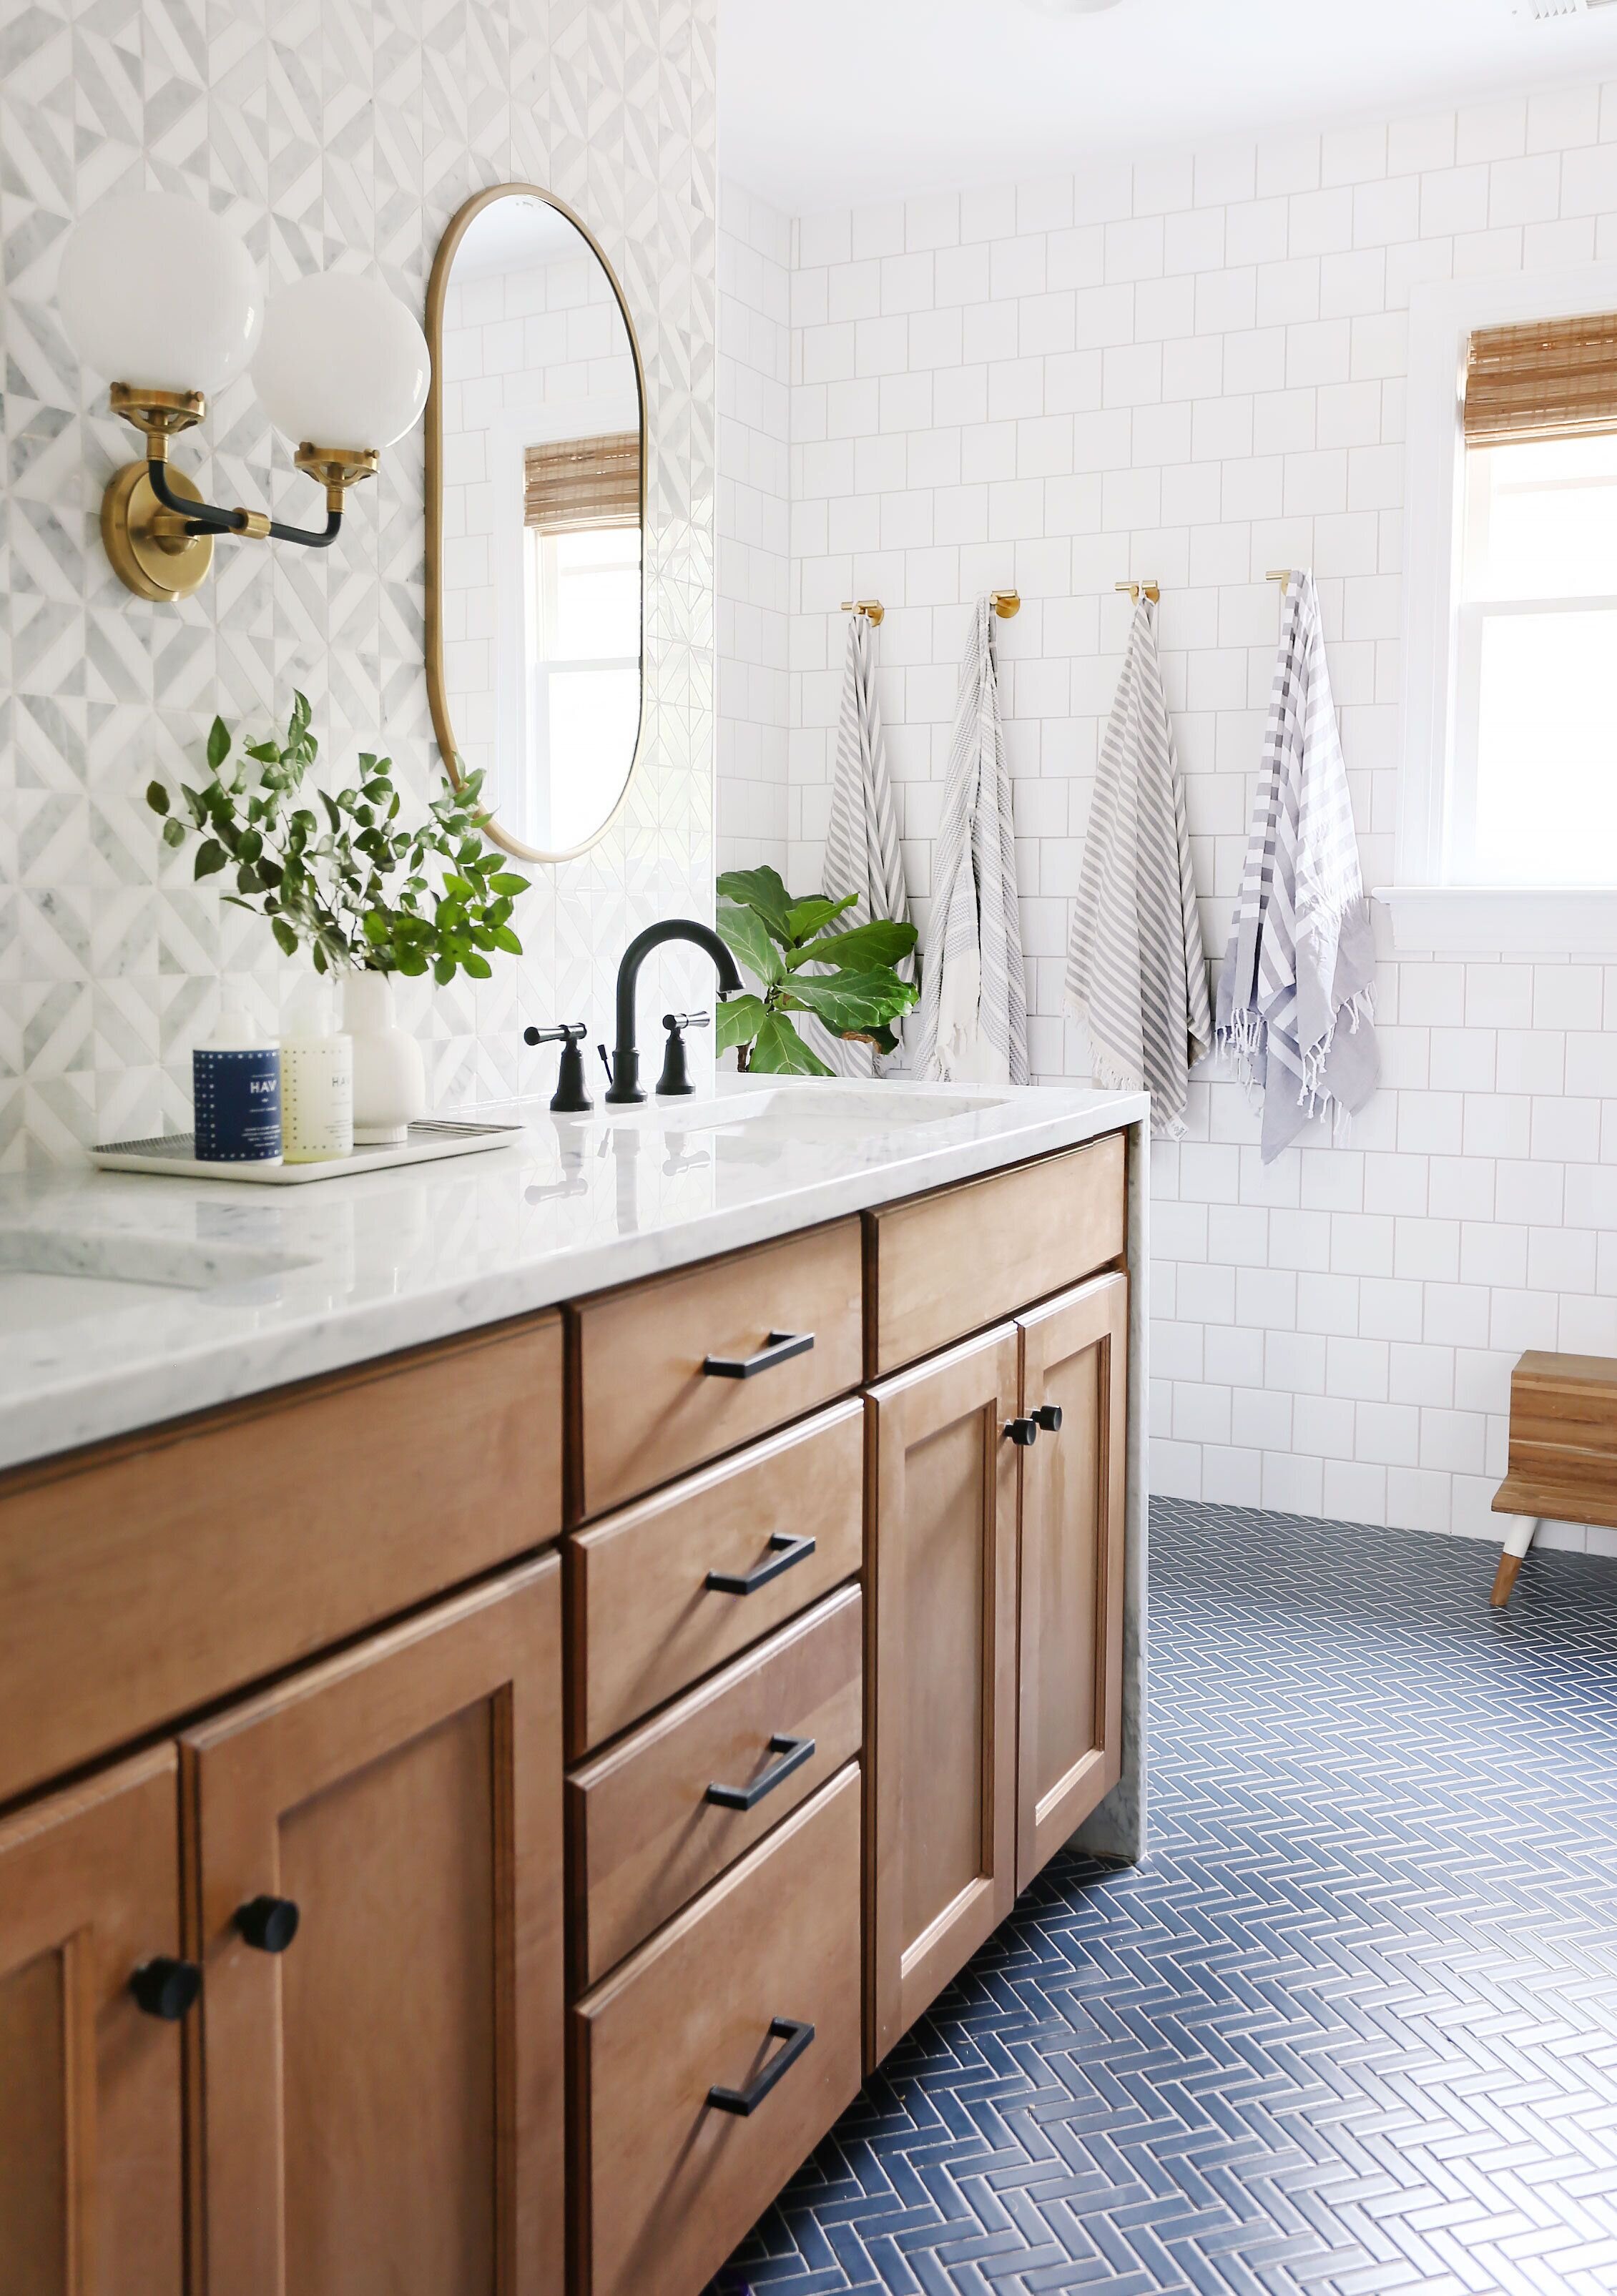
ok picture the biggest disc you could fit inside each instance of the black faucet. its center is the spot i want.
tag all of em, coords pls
(625, 1085)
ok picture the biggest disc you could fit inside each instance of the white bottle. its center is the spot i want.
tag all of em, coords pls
(316, 1079)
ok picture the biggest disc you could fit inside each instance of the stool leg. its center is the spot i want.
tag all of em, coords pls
(1518, 1538)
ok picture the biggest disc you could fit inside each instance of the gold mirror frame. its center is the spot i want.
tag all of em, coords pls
(438, 287)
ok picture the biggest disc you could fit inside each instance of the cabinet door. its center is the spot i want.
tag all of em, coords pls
(384, 2094)
(91, 2189)
(1074, 1357)
(942, 1598)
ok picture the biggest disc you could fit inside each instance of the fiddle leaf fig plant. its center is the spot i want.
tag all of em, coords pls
(847, 979)
(350, 881)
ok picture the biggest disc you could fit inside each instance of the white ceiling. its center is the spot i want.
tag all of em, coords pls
(826, 104)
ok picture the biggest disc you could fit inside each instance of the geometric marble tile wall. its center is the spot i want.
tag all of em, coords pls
(1191, 365)
(328, 133)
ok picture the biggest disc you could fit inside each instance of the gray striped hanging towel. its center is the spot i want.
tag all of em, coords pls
(1296, 993)
(1137, 971)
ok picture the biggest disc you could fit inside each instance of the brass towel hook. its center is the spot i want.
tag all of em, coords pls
(1152, 590)
(871, 609)
(1005, 602)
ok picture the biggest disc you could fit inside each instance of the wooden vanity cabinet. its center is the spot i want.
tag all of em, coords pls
(995, 1571)
(1070, 1639)
(942, 1587)
(91, 2182)
(377, 2103)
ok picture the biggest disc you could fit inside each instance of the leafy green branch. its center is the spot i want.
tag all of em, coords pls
(846, 979)
(348, 881)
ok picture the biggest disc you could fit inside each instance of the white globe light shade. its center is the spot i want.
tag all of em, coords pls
(156, 293)
(342, 363)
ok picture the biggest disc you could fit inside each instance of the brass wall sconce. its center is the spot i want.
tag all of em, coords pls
(156, 288)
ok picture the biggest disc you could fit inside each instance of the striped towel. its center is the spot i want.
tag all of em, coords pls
(1137, 973)
(974, 1016)
(862, 842)
(1301, 955)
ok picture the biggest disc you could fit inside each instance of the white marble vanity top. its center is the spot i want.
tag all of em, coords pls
(126, 1300)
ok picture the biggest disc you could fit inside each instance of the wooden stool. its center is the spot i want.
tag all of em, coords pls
(1563, 1460)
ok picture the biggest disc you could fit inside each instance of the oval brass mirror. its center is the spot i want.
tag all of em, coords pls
(536, 509)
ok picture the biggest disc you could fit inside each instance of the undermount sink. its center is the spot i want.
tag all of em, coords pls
(816, 1111)
(52, 1276)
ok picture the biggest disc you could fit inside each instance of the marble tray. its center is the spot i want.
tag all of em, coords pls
(170, 1155)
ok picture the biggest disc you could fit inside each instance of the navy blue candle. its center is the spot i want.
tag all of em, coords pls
(237, 1092)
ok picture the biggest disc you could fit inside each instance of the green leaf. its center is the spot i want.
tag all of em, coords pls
(762, 892)
(479, 967)
(219, 743)
(375, 927)
(806, 918)
(780, 1051)
(503, 938)
(174, 832)
(883, 1038)
(738, 1021)
(865, 950)
(156, 797)
(209, 856)
(443, 971)
(286, 938)
(509, 883)
(744, 932)
(853, 1001)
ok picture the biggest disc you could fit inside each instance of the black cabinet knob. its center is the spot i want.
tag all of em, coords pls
(1048, 1415)
(166, 1988)
(1022, 1432)
(270, 1923)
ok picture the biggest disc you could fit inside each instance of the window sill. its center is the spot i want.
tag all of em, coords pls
(1503, 919)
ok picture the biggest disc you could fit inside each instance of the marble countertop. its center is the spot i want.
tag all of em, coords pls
(249, 1287)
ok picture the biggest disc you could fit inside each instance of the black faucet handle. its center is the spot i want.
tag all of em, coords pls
(569, 1098)
(675, 1082)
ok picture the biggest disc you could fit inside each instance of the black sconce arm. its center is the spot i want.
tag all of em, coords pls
(207, 518)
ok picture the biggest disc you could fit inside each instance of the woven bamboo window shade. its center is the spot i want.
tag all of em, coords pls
(1554, 379)
(574, 484)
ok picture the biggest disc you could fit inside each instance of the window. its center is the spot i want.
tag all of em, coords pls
(1535, 757)
(1508, 828)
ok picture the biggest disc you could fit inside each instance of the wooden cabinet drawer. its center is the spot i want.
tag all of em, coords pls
(647, 1409)
(668, 2180)
(644, 1621)
(154, 1575)
(646, 1831)
(949, 1264)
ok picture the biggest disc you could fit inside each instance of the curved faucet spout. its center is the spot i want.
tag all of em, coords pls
(625, 1060)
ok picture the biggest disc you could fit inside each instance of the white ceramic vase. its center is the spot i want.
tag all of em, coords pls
(389, 1075)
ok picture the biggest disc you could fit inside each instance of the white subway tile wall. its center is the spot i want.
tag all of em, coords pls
(754, 529)
(1192, 367)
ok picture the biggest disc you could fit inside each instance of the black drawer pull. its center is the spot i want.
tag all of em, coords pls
(785, 1551)
(269, 1923)
(796, 2036)
(782, 1346)
(1048, 1415)
(1022, 1432)
(793, 1753)
(166, 1988)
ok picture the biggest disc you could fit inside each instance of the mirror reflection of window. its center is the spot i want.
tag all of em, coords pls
(582, 584)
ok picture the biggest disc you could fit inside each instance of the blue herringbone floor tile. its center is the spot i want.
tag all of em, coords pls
(1351, 2028)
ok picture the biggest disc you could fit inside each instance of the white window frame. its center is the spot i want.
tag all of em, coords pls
(542, 667)
(1427, 912)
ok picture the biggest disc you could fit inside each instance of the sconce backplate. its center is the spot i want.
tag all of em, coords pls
(154, 565)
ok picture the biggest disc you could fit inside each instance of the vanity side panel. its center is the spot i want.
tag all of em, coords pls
(143, 1580)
